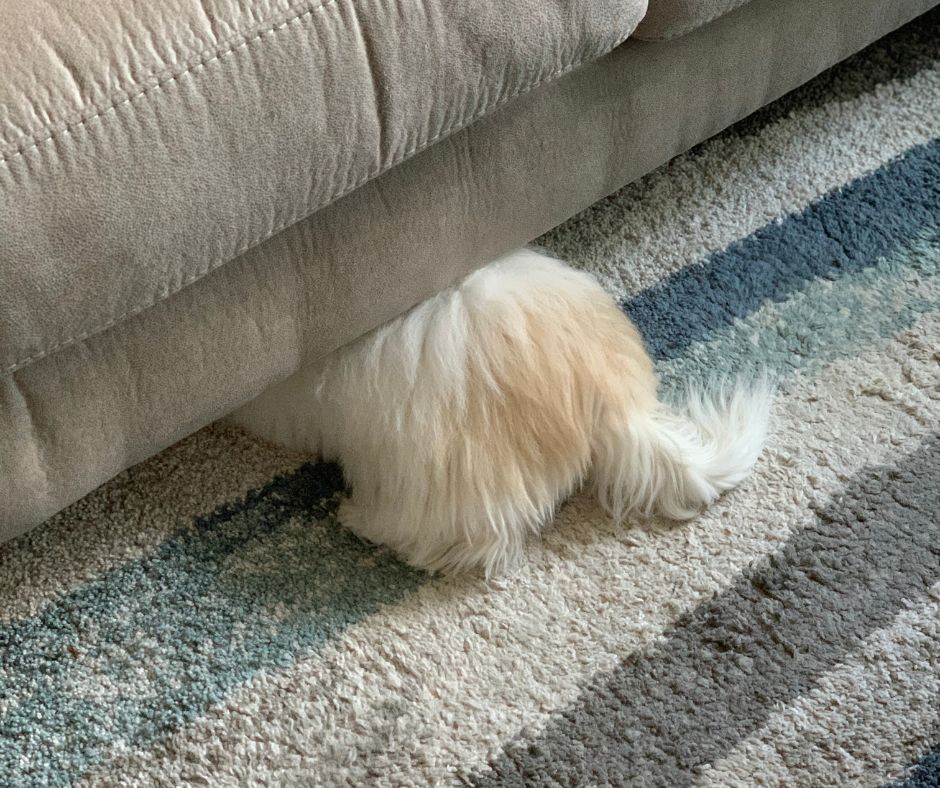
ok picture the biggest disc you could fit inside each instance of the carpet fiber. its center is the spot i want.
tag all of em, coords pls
(202, 619)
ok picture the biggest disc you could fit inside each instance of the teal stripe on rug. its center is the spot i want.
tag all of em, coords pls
(850, 229)
(147, 647)
(150, 645)
(825, 321)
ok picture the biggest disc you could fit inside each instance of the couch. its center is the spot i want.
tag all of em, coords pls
(197, 197)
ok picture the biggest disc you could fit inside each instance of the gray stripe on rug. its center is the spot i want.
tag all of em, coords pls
(864, 721)
(718, 674)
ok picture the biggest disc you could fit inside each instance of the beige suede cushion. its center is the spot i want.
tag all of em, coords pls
(144, 143)
(667, 19)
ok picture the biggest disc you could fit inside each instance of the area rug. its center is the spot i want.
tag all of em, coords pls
(203, 620)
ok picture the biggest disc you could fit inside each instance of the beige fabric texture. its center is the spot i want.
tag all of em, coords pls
(72, 420)
(143, 144)
(667, 19)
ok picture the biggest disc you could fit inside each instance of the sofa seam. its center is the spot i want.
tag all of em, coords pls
(132, 93)
(347, 188)
(690, 28)
(39, 445)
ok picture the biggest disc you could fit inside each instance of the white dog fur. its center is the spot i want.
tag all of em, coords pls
(463, 423)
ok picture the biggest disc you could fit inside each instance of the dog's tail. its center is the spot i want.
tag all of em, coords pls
(675, 461)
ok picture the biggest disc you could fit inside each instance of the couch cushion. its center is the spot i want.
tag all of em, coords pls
(73, 419)
(144, 143)
(667, 19)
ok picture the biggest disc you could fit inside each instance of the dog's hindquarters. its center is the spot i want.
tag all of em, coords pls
(463, 423)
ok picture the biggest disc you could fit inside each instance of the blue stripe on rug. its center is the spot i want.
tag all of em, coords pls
(847, 230)
(923, 774)
(150, 645)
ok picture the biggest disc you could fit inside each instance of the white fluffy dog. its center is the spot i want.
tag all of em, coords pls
(463, 423)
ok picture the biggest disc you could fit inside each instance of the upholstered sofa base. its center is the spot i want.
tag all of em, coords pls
(74, 419)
